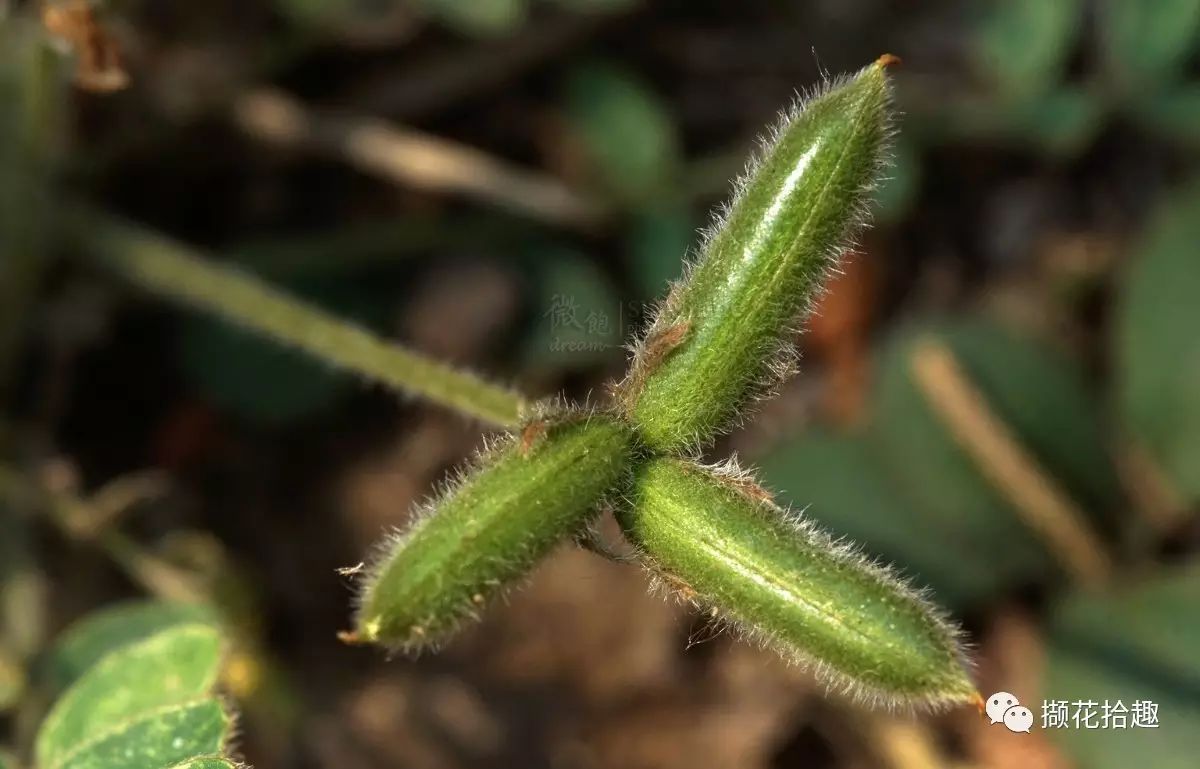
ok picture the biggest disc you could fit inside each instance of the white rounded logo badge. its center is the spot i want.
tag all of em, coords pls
(1004, 708)
(998, 703)
(1018, 719)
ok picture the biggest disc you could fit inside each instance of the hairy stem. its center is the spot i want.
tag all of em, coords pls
(175, 272)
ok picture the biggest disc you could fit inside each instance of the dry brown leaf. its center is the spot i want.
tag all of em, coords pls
(98, 65)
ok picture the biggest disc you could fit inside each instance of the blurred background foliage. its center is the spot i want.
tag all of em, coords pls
(1000, 393)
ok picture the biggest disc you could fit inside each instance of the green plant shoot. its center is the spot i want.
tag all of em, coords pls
(719, 541)
(491, 527)
(721, 339)
(723, 335)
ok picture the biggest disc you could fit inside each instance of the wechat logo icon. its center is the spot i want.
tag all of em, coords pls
(1004, 708)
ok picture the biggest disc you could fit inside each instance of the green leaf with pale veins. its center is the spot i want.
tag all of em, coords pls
(85, 642)
(138, 691)
(159, 739)
(206, 762)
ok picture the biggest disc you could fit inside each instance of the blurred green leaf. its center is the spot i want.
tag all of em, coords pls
(1022, 45)
(1064, 122)
(266, 382)
(477, 17)
(1136, 644)
(578, 318)
(7, 761)
(838, 483)
(253, 377)
(658, 241)
(147, 704)
(628, 134)
(1043, 401)
(1173, 114)
(84, 643)
(1146, 44)
(1157, 344)
(1061, 123)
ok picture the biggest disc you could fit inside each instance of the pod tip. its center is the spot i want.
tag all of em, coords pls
(888, 60)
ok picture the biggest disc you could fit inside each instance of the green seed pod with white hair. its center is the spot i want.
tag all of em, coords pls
(490, 527)
(716, 538)
(723, 335)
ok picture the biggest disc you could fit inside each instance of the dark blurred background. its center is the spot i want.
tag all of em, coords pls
(1000, 393)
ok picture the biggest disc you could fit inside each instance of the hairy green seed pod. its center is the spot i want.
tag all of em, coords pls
(722, 337)
(491, 527)
(715, 537)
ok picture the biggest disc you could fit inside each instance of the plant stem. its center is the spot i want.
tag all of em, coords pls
(81, 519)
(175, 272)
(29, 143)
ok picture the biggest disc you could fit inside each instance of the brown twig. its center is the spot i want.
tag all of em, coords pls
(413, 158)
(1151, 492)
(1041, 503)
(76, 517)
